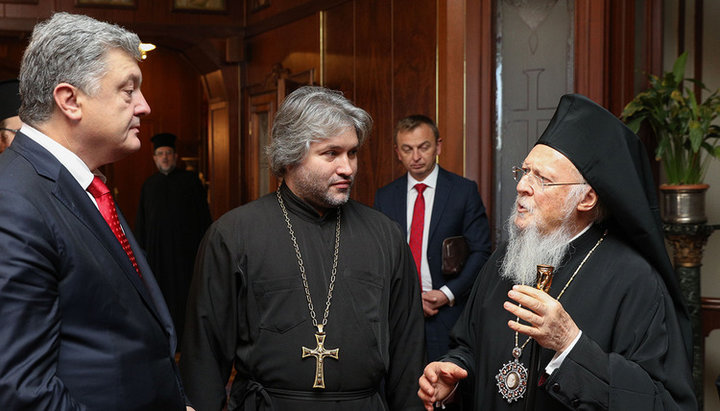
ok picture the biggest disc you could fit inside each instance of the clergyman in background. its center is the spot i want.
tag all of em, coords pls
(9, 105)
(172, 218)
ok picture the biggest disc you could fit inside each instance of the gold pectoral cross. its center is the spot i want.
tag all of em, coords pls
(320, 353)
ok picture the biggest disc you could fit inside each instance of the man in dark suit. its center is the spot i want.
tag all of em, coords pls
(84, 325)
(446, 205)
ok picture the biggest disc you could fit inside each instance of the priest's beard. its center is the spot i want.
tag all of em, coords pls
(319, 191)
(529, 247)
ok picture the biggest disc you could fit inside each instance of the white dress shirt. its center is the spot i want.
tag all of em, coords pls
(77, 168)
(429, 194)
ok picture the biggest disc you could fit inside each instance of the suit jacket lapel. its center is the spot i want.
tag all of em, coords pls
(442, 192)
(76, 200)
(151, 287)
(400, 194)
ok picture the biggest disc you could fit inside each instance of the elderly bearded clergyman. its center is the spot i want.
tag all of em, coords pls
(613, 331)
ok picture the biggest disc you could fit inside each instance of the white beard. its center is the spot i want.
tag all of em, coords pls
(528, 247)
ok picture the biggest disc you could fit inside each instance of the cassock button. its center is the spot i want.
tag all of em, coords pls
(556, 387)
(575, 403)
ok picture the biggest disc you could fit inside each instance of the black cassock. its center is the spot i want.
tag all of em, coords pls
(248, 307)
(172, 217)
(630, 355)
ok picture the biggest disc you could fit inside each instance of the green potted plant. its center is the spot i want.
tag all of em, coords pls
(686, 138)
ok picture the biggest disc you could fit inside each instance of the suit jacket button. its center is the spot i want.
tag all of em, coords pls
(556, 387)
(575, 403)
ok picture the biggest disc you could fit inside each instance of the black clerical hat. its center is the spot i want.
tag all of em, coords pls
(163, 140)
(615, 163)
(9, 99)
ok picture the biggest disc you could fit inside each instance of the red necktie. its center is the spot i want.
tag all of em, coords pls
(416, 227)
(105, 202)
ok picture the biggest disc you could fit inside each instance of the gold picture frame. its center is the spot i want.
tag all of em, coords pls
(125, 4)
(256, 5)
(214, 6)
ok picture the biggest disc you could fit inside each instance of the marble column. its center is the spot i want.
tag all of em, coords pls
(688, 242)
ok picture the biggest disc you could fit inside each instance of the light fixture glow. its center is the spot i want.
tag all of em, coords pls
(145, 48)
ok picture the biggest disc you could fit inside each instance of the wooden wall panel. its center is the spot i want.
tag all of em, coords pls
(277, 7)
(374, 91)
(414, 72)
(451, 84)
(622, 55)
(480, 100)
(231, 78)
(590, 49)
(381, 54)
(220, 158)
(157, 13)
(339, 69)
(295, 45)
(11, 51)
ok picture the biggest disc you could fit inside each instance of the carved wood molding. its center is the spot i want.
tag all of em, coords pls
(710, 314)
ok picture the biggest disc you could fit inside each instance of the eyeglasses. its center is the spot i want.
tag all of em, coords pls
(536, 181)
(12, 130)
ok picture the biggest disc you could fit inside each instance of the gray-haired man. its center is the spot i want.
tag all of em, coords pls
(311, 295)
(84, 325)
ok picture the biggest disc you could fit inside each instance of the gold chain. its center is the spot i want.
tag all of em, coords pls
(302, 266)
(566, 285)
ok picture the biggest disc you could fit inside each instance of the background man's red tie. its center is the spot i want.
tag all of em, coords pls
(105, 202)
(416, 227)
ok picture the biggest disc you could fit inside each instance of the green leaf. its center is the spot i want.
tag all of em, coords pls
(693, 102)
(679, 68)
(635, 123)
(683, 126)
(696, 135)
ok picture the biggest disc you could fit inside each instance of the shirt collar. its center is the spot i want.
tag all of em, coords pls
(77, 168)
(430, 180)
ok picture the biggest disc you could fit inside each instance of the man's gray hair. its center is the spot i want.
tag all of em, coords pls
(67, 48)
(308, 115)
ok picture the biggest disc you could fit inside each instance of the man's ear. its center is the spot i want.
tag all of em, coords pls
(589, 201)
(66, 99)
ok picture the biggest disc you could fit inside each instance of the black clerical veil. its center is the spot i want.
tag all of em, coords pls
(614, 162)
(9, 99)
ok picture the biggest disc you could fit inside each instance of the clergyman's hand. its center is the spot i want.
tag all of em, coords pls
(549, 324)
(438, 381)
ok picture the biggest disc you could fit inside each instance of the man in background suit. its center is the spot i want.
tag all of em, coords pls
(452, 207)
(84, 325)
